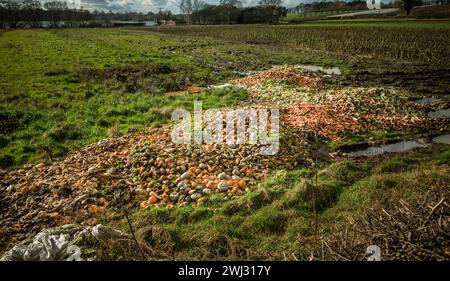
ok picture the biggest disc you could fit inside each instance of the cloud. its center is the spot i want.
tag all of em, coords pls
(129, 5)
(155, 2)
(113, 5)
(154, 5)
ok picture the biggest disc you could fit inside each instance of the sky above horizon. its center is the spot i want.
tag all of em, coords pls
(153, 5)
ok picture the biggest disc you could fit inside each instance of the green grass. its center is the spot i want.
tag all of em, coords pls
(278, 219)
(59, 89)
(62, 89)
(384, 42)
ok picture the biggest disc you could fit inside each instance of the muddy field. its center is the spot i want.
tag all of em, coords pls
(427, 82)
(87, 141)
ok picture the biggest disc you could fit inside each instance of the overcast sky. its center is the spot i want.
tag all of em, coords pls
(154, 5)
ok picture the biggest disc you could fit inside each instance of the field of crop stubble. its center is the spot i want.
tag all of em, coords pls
(62, 90)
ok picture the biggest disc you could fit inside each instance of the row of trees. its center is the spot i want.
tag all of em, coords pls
(330, 6)
(57, 13)
(32, 13)
(339, 5)
(232, 11)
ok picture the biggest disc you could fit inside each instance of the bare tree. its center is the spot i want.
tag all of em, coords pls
(11, 12)
(2, 15)
(186, 9)
(229, 5)
(234, 3)
(197, 5)
(271, 6)
(408, 5)
(56, 10)
(32, 10)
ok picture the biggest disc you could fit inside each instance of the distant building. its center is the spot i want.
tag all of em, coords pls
(166, 22)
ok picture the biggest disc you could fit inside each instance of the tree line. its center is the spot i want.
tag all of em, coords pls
(339, 5)
(330, 6)
(232, 11)
(57, 13)
(33, 13)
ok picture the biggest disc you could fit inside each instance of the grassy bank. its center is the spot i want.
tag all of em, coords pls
(310, 214)
(63, 89)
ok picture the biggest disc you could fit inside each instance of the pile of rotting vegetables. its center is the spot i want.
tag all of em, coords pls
(333, 112)
(147, 169)
(143, 168)
(286, 73)
(329, 113)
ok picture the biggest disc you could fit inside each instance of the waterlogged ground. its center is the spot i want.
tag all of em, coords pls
(62, 91)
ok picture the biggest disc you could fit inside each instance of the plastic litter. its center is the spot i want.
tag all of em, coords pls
(66, 242)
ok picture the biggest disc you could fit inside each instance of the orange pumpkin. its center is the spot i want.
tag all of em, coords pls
(152, 199)
(242, 184)
(55, 216)
(232, 183)
(93, 209)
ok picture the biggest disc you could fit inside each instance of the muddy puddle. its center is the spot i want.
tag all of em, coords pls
(428, 100)
(328, 71)
(246, 73)
(442, 139)
(402, 146)
(440, 114)
(226, 85)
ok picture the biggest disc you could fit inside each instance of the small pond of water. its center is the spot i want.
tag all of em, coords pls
(440, 114)
(329, 71)
(402, 146)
